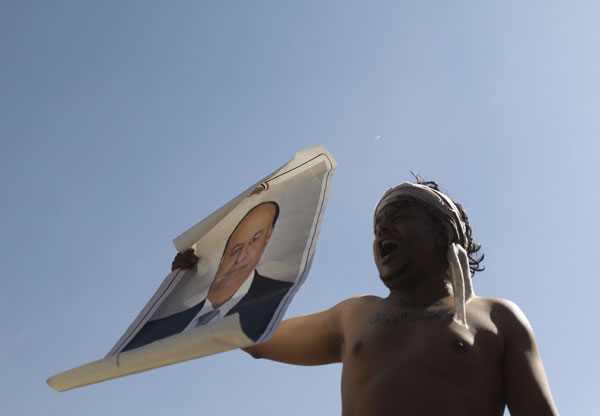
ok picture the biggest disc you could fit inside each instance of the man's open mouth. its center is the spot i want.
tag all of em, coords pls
(386, 248)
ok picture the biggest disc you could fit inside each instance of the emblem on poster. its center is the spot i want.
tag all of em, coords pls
(259, 189)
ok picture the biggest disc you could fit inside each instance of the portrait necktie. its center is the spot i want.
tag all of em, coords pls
(206, 317)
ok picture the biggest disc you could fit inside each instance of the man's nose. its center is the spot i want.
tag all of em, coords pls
(244, 252)
(381, 227)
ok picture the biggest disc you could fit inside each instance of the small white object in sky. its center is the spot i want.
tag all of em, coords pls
(377, 137)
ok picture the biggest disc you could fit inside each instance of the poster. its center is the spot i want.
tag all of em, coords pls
(254, 254)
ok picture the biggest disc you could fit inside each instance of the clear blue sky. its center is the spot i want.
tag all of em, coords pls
(124, 123)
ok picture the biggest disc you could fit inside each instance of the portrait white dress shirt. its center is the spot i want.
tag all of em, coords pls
(224, 308)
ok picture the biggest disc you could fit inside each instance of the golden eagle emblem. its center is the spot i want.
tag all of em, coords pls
(260, 189)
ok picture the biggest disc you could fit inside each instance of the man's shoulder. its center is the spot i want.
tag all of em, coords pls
(262, 280)
(359, 303)
(266, 288)
(497, 304)
(505, 314)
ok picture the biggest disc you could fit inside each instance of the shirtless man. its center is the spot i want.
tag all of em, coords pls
(414, 352)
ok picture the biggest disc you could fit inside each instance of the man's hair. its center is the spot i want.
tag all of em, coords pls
(272, 203)
(471, 246)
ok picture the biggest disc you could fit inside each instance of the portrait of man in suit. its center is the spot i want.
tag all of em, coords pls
(237, 286)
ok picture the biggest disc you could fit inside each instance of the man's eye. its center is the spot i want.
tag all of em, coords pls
(390, 217)
(256, 237)
(235, 251)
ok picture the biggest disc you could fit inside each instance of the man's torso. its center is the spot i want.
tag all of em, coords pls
(414, 360)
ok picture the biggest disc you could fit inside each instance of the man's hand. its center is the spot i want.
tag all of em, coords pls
(184, 260)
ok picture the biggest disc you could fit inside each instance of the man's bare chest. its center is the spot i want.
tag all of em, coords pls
(423, 340)
(398, 357)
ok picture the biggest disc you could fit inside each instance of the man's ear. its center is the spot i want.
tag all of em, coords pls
(270, 232)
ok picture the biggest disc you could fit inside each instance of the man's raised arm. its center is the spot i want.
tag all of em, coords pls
(306, 340)
(525, 382)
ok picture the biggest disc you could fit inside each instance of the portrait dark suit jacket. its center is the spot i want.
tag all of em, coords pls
(256, 309)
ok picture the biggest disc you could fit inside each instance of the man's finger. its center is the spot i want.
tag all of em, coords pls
(188, 254)
(184, 260)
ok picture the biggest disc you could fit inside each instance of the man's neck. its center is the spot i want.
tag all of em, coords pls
(218, 294)
(428, 290)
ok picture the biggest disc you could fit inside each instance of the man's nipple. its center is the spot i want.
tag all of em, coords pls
(357, 348)
(460, 345)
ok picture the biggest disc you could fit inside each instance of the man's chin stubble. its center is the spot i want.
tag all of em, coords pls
(396, 275)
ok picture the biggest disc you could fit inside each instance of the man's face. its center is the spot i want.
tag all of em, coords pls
(406, 241)
(246, 245)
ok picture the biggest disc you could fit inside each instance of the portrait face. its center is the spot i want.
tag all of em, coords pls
(246, 245)
(407, 240)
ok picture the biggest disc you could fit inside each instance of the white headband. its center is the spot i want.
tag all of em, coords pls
(458, 260)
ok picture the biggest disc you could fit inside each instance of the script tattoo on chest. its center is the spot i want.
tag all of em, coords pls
(409, 317)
